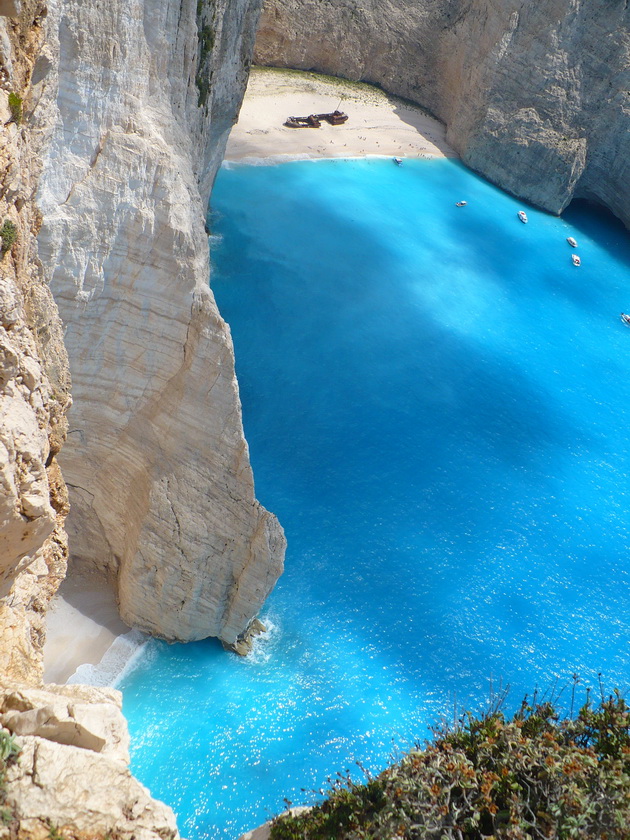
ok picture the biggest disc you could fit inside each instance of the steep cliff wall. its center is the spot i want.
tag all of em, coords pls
(135, 103)
(72, 772)
(34, 380)
(536, 96)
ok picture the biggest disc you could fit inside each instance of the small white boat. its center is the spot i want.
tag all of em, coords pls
(626, 319)
(576, 260)
(522, 216)
(571, 241)
(461, 203)
(397, 161)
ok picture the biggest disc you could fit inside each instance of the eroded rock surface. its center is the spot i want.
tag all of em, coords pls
(536, 96)
(136, 100)
(72, 773)
(122, 145)
(74, 715)
(34, 379)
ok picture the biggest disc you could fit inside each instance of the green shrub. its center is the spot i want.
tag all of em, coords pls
(9, 752)
(8, 232)
(206, 40)
(206, 35)
(203, 86)
(15, 106)
(8, 748)
(532, 776)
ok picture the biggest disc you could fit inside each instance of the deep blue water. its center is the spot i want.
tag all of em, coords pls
(436, 403)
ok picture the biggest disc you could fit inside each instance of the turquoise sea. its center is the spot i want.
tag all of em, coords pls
(437, 406)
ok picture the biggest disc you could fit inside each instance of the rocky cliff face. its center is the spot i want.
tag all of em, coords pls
(135, 101)
(536, 96)
(72, 777)
(114, 118)
(34, 380)
(72, 771)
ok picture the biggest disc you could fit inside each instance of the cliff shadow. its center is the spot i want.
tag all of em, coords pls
(423, 122)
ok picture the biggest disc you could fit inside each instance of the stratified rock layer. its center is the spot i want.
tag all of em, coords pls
(536, 96)
(72, 772)
(137, 99)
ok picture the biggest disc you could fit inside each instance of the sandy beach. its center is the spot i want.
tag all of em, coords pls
(82, 624)
(378, 124)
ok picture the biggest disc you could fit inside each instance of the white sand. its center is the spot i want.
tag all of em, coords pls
(378, 124)
(82, 623)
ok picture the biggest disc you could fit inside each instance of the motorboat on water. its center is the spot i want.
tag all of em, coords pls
(461, 203)
(522, 216)
(572, 242)
(397, 161)
(626, 319)
(575, 259)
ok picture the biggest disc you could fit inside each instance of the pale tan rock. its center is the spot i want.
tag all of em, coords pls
(10, 8)
(65, 786)
(78, 716)
(34, 394)
(158, 469)
(73, 771)
(263, 832)
(535, 96)
(245, 640)
(26, 515)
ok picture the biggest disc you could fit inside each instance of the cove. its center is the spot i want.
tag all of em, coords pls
(436, 403)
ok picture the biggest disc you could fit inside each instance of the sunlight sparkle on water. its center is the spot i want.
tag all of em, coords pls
(435, 401)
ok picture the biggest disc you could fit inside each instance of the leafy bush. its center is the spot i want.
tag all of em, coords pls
(206, 42)
(8, 748)
(15, 106)
(202, 78)
(532, 776)
(9, 752)
(8, 232)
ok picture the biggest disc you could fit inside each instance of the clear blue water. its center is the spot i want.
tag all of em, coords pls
(436, 403)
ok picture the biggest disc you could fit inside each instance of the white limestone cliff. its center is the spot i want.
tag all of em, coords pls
(535, 96)
(135, 101)
(113, 117)
(72, 772)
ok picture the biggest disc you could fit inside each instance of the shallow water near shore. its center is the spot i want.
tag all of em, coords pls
(436, 403)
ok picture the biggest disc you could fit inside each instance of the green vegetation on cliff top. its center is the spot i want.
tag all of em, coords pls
(531, 776)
